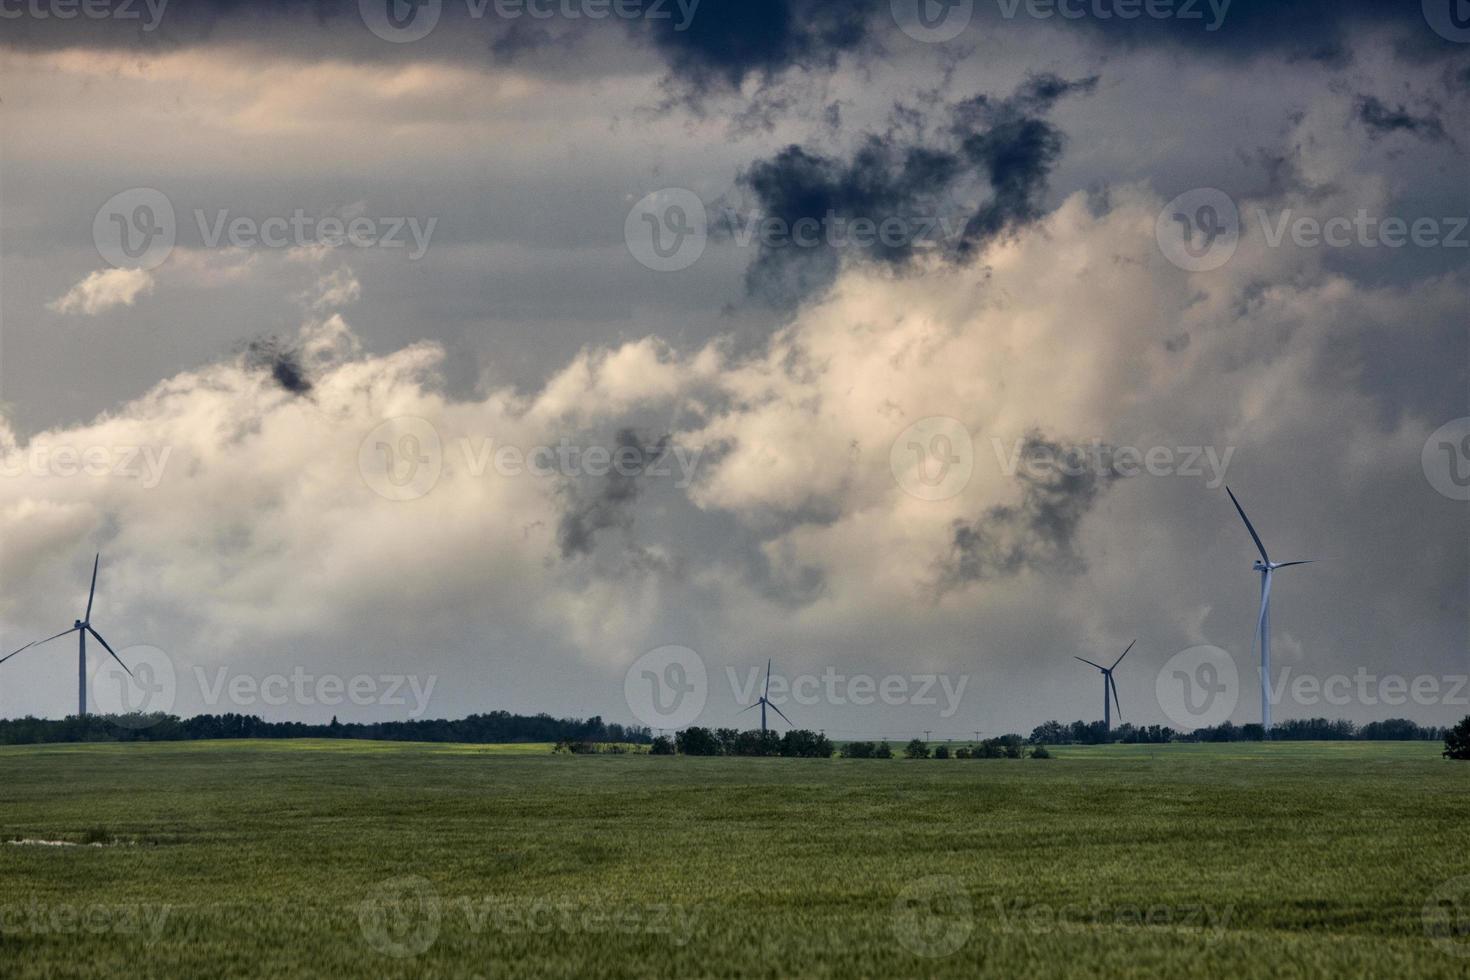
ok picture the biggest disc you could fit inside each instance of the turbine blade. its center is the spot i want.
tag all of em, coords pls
(109, 650)
(93, 590)
(36, 643)
(748, 707)
(1116, 703)
(768, 678)
(1288, 564)
(780, 712)
(1124, 654)
(1089, 662)
(1249, 527)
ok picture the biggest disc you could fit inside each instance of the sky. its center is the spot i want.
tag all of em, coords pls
(415, 360)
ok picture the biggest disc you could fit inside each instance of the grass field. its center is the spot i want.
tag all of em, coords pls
(390, 859)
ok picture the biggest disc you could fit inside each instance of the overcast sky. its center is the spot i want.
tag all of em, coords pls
(291, 293)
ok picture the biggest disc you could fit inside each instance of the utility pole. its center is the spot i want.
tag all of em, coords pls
(926, 734)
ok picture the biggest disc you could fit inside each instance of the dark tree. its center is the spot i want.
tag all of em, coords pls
(1457, 740)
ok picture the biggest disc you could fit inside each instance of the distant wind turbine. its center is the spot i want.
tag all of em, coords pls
(1263, 626)
(764, 700)
(81, 627)
(1109, 685)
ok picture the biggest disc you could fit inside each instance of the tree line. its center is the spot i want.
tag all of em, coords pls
(494, 726)
(1293, 730)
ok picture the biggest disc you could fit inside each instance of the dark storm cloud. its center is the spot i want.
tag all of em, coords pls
(1380, 119)
(729, 41)
(1039, 533)
(606, 502)
(281, 361)
(895, 197)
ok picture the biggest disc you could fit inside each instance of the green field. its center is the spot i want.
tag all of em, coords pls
(389, 859)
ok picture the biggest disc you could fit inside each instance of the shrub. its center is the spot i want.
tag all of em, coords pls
(916, 749)
(883, 751)
(663, 745)
(858, 750)
(1040, 752)
(1457, 740)
(941, 752)
(697, 741)
(961, 753)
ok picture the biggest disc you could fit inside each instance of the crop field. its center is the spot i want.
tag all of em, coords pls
(354, 859)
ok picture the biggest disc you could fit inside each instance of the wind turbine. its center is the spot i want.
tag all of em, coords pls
(1263, 626)
(764, 700)
(81, 628)
(1109, 684)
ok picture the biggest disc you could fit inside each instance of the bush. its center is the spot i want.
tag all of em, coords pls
(859, 750)
(961, 753)
(941, 752)
(1040, 752)
(1457, 740)
(916, 749)
(697, 741)
(804, 744)
(883, 751)
(663, 745)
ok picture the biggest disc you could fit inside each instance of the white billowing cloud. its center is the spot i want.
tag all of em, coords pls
(264, 529)
(102, 290)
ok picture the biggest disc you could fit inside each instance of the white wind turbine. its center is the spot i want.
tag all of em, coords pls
(1267, 568)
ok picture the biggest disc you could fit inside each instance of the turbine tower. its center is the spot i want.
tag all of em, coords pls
(1109, 685)
(764, 701)
(1263, 625)
(81, 628)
